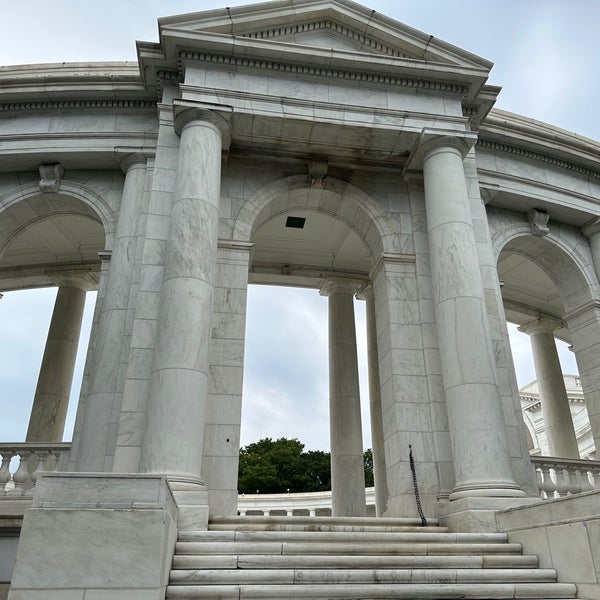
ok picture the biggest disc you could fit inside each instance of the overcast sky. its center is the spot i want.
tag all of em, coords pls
(546, 59)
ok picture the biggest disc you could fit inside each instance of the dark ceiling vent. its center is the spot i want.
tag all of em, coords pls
(295, 222)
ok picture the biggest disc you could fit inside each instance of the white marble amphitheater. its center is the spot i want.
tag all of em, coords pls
(310, 143)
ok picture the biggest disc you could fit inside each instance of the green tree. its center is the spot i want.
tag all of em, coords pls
(276, 466)
(368, 458)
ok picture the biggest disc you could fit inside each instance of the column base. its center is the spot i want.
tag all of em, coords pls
(476, 513)
(487, 492)
(191, 498)
(97, 534)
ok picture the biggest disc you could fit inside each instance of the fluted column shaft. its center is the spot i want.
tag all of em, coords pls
(377, 439)
(51, 400)
(562, 441)
(478, 432)
(174, 437)
(347, 462)
(94, 439)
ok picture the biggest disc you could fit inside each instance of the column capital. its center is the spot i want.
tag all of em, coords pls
(336, 285)
(542, 325)
(131, 158)
(83, 280)
(439, 140)
(219, 116)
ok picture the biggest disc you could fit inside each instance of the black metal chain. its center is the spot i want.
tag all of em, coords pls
(416, 487)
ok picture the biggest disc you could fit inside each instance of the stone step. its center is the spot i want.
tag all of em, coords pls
(427, 591)
(261, 561)
(353, 537)
(371, 548)
(252, 523)
(358, 576)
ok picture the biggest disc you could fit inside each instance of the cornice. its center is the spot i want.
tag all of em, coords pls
(321, 71)
(497, 146)
(366, 41)
(78, 104)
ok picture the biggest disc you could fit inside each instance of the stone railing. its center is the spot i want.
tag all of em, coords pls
(559, 477)
(311, 504)
(22, 462)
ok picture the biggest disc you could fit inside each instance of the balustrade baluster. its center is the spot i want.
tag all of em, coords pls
(548, 486)
(573, 479)
(42, 456)
(540, 482)
(562, 481)
(584, 480)
(5, 471)
(595, 474)
(21, 475)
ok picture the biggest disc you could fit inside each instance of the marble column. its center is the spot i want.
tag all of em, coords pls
(51, 400)
(556, 413)
(476, 420)
(175, 412)
(377, 440)
(347, 462)
(99, 404)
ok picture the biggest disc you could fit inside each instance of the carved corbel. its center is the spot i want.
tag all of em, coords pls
(50, 177)
(538, 220)
(317, 171)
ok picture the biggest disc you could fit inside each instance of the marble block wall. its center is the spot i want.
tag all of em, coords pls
(128, 556)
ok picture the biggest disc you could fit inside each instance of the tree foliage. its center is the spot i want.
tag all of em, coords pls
(278, 466)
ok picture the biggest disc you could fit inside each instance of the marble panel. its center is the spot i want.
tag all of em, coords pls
(571, 552)
(404, 312)
(230, 300)
(232, 276)
(127, 550)
(435, 388)
(144, 333)
(422, 444)
(229, 326)
(147, 304)
(224, 409)
(407, 337)
(226, 353)
(408, 362)
(140, 363)
(432, 361)
(220, 472)
(127, 459)
(409, 388)
(222, 440)
(131, 428)
(157, 227)
(134, 394)
(225, 380)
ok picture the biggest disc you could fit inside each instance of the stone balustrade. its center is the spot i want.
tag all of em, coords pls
(300, 504)
(564, 477)
(21, 464)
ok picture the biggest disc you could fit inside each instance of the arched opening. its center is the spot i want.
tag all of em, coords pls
(303, 239)
(48, 261)
(537, 280)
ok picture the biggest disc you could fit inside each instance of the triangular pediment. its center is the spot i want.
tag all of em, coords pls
(326, 24)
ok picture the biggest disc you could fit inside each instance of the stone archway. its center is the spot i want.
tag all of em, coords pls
(549, 287)
(52, 240)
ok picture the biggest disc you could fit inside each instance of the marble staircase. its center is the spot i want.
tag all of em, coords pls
(366, 558)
